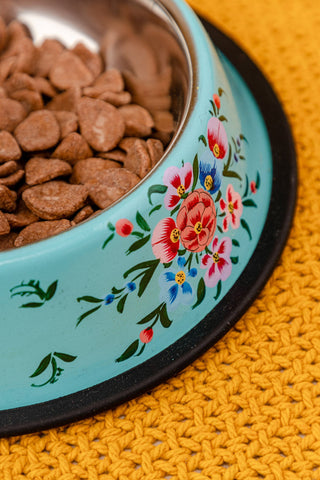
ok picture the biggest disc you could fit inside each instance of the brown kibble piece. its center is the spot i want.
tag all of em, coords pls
(68, 122)
(116, 177)
(29, 99)
(12, 114)
(39, 131)
(93, 61)
(8, 199)
(9, 149)
(117, 155)
(163, 121)
(4, 224)
(111, 80)
(153, 103)
(22, 217)
(19, 81)
(159, 84)
(126, 143)
(67, 100)
(12, 179)
(6, 68)
(138, 160)
(3, 93)
(69, 71)
(41, 230)
(25, 53)
(7, 241)
(89, 170)
(7, 168)
(39, 170)
(43, 86)
(138, 121)
(47, 56)
(84, 213)
(138, 57)
(103, 196)
(73, 148)
(116, 99)
(155, 150)
(55, 200)
(100, 123)
(3, 34)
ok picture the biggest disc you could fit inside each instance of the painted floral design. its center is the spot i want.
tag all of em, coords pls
(196, 221)
(232, 207)
(179, 182)
(192, 253)
(218, 265)
(217, 138)
(210, 174)
(175, 285)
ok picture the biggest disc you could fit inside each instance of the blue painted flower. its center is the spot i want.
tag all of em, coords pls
(130, 287)
(175, 289)
(210, 172)
(109, 299)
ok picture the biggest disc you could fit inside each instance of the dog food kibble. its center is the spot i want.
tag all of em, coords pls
(75, 135)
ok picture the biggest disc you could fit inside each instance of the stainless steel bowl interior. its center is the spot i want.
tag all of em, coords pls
(125, 32)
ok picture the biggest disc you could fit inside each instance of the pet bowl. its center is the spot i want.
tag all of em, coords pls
(101, 313)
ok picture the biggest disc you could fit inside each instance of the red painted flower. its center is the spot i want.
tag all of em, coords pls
(124, 227)
(178, 181)
(217, 137)
(232, 207)
(217, 101)
(253, 187)
(146, 335)
(166, 240)
(197, 221)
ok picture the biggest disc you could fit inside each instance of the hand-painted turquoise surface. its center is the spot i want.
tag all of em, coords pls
(104, 297)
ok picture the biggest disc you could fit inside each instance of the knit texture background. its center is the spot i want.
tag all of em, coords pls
(250, 407)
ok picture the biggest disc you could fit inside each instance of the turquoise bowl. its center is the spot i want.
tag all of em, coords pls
(103, 312)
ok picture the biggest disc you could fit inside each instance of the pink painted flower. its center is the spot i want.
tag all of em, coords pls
(232, 207)
(218, 265)
(196, 220)
(178, 181)
(217, 101)
(253, 187)
(146, 335)
(165, 240)
(217, 137)
(124, 227)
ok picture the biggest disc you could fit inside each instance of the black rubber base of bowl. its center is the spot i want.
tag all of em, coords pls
(169, 362)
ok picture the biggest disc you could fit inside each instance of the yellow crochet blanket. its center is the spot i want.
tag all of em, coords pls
(250, 407)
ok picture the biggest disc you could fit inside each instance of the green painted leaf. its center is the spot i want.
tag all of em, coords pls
(89, 299)
(211, 113)
(242, 137)
(164, 319)
(258, 181)
(111, 227)
(231, 174)
(65, 357)
(235, 242)
(214, 107)
(141, 266)
(116, 291)
(141, 350)
(32, 305)
(247, 187)
(242, 157)
(107, 241)
(131, 350)
(138, 244)
(246, 227)
(156, 189)
(142, 223)
(121, 303)
(181, 252)
(202, 138)
(174, 210)
(218, 196)
(249, 203)
(220, 92)
(51, 290)
(42, 366)
(222, 118)
(201, 292)
(86, 314)
(219, 288)
(145, 280)
(195, 171)
(220, 229)
(167, 265)
(150, 316)
(137, 234)
(234, 260)
(157, 207)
